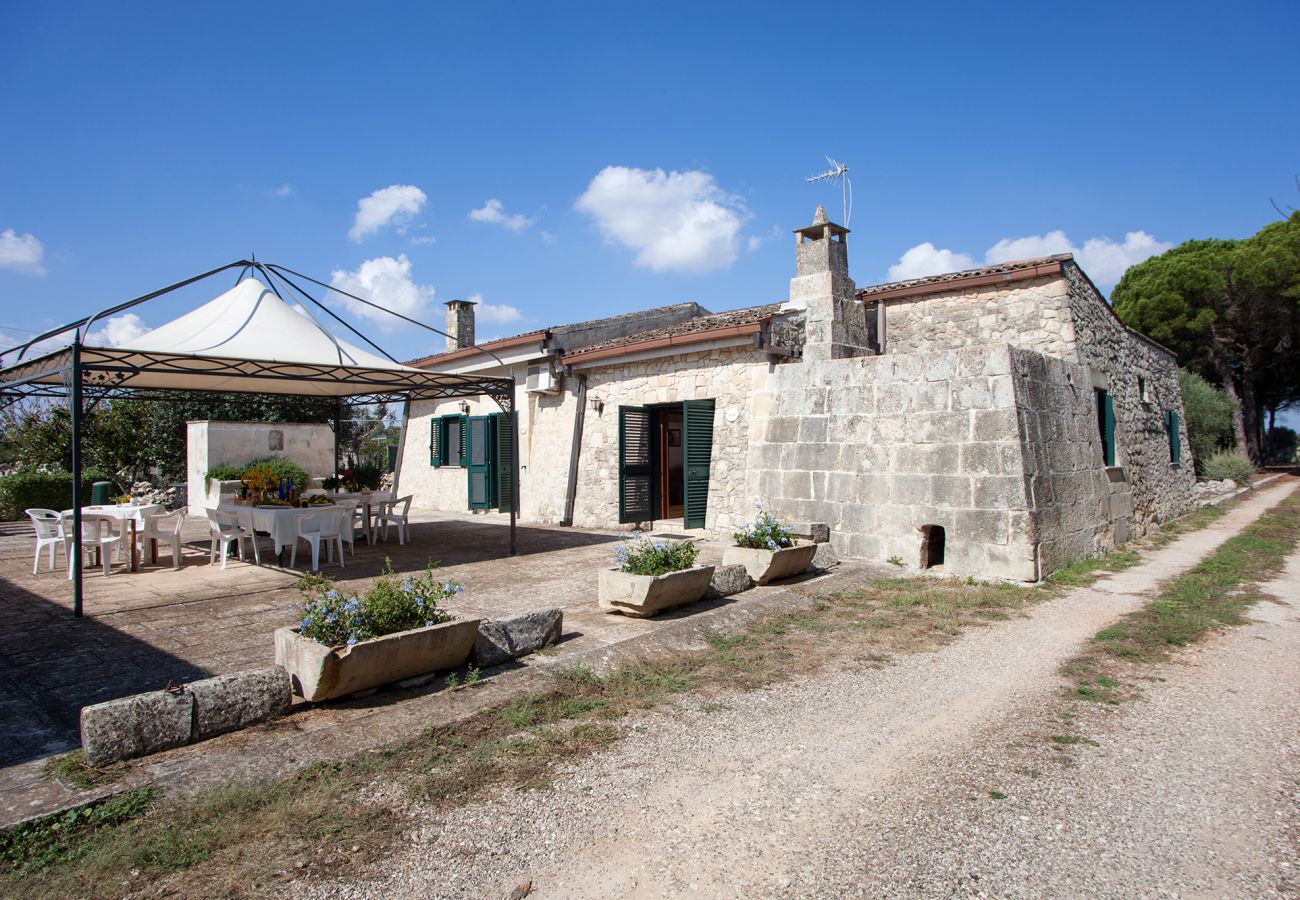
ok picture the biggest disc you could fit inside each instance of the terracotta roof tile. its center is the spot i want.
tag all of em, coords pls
(744, 316)
(939, 280)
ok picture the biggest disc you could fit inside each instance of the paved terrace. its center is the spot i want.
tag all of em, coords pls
(143, 630)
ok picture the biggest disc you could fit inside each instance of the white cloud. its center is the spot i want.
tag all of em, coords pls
(926, 259)
(492, 211)
(676, 221)
(387, 282)
(495, 313)
(546, 236)
(1106, 261)
(284, 190)
(394, 205)
(1034, 245)
(8, 342)
(421, 240)
(117, 331)
(21, 252)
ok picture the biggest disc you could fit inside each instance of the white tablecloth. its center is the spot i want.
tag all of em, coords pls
(121, 513)
(281, 522)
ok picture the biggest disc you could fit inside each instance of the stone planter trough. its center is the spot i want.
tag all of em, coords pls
(641, 596)
(770, 565)
(318, 672)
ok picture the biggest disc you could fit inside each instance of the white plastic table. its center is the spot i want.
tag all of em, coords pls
(281, 522)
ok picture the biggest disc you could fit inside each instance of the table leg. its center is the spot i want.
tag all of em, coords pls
(135, 562)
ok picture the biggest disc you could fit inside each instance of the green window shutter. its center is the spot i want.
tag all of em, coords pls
(461, 423)
(1175, 436)
(435, 441)
(505, 472)
(478, 457)
(697, 446)
(635, 469)
(1106, 425)
(1110, 430)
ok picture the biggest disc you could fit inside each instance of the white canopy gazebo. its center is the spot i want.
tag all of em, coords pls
(251, 339)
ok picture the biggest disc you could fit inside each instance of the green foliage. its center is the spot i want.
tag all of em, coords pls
(335, 619)
(282, 468)
(1231, 464)
(1208, 412)
(641, 556)
(766, 533)
(29, 489)
(367, 476)
(66, 836)
(1280, 445)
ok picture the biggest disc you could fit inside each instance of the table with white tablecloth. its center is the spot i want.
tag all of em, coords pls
(369, 499)
(132, 513)
(281, 522)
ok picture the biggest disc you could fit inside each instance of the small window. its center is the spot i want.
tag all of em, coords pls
(1143, 394)
(932, 546)
(447, 441)
(1106, 425)
(1175, 436)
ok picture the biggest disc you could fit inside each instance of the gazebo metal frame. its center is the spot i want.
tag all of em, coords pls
(79, 373)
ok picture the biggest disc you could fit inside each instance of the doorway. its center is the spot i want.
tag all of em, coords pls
(672, 471)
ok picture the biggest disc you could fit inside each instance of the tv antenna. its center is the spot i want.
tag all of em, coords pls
(840, 171)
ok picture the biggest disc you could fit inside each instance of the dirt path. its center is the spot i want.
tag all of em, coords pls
(878, 781)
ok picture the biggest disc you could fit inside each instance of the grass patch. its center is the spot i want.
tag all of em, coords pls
(73, 769)
(997, 795)
(1087, 569)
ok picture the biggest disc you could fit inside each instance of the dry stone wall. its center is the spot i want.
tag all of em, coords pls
(879, 447)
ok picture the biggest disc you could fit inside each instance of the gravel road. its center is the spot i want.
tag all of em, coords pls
(932, 776)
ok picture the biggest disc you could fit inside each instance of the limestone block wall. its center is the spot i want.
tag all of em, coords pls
(730, 376)
(1033, 314)
(878, 447)
(210, 444)
(1116, 359)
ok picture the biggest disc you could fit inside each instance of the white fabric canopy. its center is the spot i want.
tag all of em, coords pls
(250, 321)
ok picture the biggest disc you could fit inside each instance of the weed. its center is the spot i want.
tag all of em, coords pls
(73, 768)
(896, 561)
(997, 795)
(472, 676)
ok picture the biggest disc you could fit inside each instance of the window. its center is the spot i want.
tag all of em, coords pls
(933, 539)
(447, 441)
(1106, 425)
(1175, 436)
(1143, 394)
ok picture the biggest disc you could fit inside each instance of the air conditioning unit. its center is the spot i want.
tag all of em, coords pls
(541, 380)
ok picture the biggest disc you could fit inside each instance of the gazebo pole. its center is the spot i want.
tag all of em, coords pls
(338, 422)
(76, 412)
(514, 466)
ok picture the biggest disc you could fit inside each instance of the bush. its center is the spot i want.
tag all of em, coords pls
(1231, 464)
(278, 466)
(367, 476)
(1209, 412)
(391, 605)
(223, 472)
(765, 534)
(44, 490)
(642, 556)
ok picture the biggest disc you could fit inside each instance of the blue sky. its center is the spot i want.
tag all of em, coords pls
(637, 155)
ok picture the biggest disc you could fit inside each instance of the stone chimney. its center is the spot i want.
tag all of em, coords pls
(460, 324)
(834, 318)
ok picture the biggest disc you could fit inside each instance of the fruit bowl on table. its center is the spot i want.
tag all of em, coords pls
(273, 504)
(319, 501)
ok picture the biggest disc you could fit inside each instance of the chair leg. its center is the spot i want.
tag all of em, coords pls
(315, 552)
(257, 554)
(36, 563)
(212, 551)
(293, 554)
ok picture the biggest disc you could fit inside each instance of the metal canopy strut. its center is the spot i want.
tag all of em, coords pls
(79, 373)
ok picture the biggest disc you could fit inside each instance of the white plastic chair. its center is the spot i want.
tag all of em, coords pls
(163, 527)
(97, 532)
(48, 534)
(354, 513)
(387, 512)
(224, 528)
(317, 528)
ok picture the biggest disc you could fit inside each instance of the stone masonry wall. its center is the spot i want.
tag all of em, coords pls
(878, 447)
(1033, 314)
(1116, 358)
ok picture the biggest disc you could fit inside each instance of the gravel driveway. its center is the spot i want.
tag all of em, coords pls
(891, 782)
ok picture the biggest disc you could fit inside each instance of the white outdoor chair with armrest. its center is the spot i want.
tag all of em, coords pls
(317, 528)
(387, 512)
(97, 533)
(163, 527)
(354, 512)
(224, 528)
(48, 534)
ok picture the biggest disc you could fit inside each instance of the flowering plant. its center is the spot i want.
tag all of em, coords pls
(261, 478)
(766, 533)
(642, 556)
(394, 603)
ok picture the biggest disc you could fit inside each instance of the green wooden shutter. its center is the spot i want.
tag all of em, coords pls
(478, 449)
(635, 470)
(505, 472)
(697, 446)
(435, 441)
(462, 422)
(1175, 436)
(1106, 425)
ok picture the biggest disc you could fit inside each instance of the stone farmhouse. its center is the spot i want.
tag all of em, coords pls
(997, 422)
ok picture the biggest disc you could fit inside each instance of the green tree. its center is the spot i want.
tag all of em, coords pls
(1231, 311)
(1209, 413)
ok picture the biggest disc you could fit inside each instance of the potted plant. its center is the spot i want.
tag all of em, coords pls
(652, 576)
(766, 549)
(397, 629)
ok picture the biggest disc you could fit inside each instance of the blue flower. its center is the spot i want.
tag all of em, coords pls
(758, 505)
(331, 595)
(305, 623)
(771, 544)
(351, 641)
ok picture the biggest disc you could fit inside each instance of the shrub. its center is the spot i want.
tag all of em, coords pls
(367, 476)
(29, 489)
(1209, 412)
(394, 603)
(766, 533)
(1231, 464)
(642, 556)
(223, 472)
(278, 467)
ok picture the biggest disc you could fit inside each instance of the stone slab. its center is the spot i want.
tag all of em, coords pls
(501, 640)
(823, 559)
(729, 580)
(230, 702)
(136, 726)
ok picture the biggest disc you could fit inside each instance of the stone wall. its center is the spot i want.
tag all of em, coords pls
(1116, 358)
(210, 444)
(879, 447)
(1033, 314)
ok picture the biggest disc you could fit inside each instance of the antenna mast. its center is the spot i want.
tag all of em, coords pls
(840, 171)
